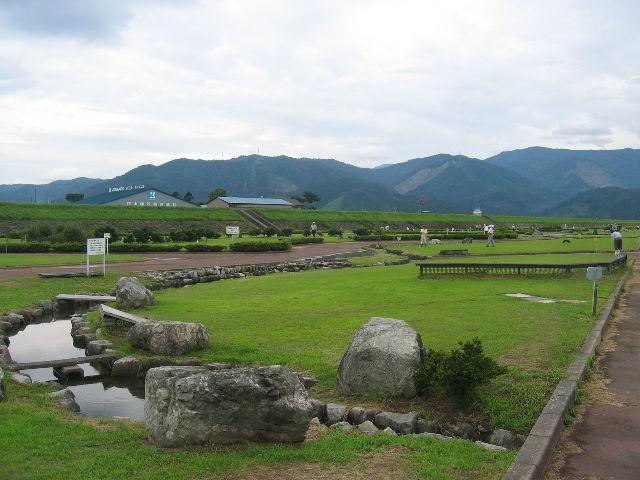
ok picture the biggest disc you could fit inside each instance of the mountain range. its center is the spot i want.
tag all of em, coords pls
(530, 181)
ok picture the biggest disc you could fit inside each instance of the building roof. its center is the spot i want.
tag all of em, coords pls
(255, 201)
(112, 196)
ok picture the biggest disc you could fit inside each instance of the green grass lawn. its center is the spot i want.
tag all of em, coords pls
(21, 292)
(306, 320)
(600, 244)
(14, 260)
(40, 442)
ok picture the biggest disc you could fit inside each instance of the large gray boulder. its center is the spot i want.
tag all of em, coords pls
(130, 293)
(383, 358)
(168, 338)
(125, 367)
(402, 423)
(195, 405)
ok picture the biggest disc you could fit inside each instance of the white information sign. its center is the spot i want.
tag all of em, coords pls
(97, 246)
(233, 230)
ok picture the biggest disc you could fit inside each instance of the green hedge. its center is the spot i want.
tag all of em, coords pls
(279, 246)
(27, 248)
(200, 247)
(305, 240)
(143, 247)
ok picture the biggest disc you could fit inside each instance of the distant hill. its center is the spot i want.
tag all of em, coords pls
(54, 191)
(466, 183)
(530, 181)
(570, 171)
(608, 202)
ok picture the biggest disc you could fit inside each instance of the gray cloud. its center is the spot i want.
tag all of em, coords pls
(85, 19)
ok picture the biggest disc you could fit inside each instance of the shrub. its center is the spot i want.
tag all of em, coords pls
(143, 235)
(270, 232)
(192, 233)
(335, 232)
(460, 371)
(286, 232)
(100, 231)
(260, 246)
(39, 232)
(361, 231)
(69, 234)
(201, 247)
(255, 232)
(129, 238)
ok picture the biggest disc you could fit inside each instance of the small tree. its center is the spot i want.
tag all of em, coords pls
(307, 198)
(176, 194)
(218, 192)
(74, 197)
(188, 197)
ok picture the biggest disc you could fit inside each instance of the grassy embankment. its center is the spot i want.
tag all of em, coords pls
(337, 216)
(105, 214)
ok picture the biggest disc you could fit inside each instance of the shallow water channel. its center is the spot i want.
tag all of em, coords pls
(98, 395)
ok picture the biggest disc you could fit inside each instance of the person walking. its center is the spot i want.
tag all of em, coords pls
(617, 242)
(490, 240)
(423, 236)
(314, 228)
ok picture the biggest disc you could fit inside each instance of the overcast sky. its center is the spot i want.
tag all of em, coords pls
(96, 87)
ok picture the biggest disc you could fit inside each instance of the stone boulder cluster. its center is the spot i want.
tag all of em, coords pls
(191, 276)
(202, 405)
(372, 421)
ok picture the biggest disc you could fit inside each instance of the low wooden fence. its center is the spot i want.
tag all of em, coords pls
(516, 268)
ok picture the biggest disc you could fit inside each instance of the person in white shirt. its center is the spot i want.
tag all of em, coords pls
(423, 235)
(490, 240)
(617, 242)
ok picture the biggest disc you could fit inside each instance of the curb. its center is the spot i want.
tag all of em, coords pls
(534, 457)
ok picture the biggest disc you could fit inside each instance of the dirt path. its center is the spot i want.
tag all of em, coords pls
(605, 442)
(169, 261)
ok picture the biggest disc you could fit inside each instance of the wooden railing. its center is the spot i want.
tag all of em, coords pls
(516, 268)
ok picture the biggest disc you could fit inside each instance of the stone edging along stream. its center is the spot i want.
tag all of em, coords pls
(534, 457)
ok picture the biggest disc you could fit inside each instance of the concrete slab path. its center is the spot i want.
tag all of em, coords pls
(608, 434)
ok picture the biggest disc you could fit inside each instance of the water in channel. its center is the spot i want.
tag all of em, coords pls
(98, 394)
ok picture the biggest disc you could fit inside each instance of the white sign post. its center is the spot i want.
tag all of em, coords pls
(595, 274)
(233, 230)
(107, 236)
(97, 246)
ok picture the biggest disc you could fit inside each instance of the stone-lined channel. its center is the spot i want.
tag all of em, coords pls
(98, 394)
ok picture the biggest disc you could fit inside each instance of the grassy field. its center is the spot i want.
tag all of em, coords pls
(39, 259)
(79, 213)
(597, 244)
(21, 292)
(306, 320)
(40, 442)
(297, 215)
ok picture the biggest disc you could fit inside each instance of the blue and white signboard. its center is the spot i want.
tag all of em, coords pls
(151, 195)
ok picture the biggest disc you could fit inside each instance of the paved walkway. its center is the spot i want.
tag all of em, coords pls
(609, 433)
(170, 261)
